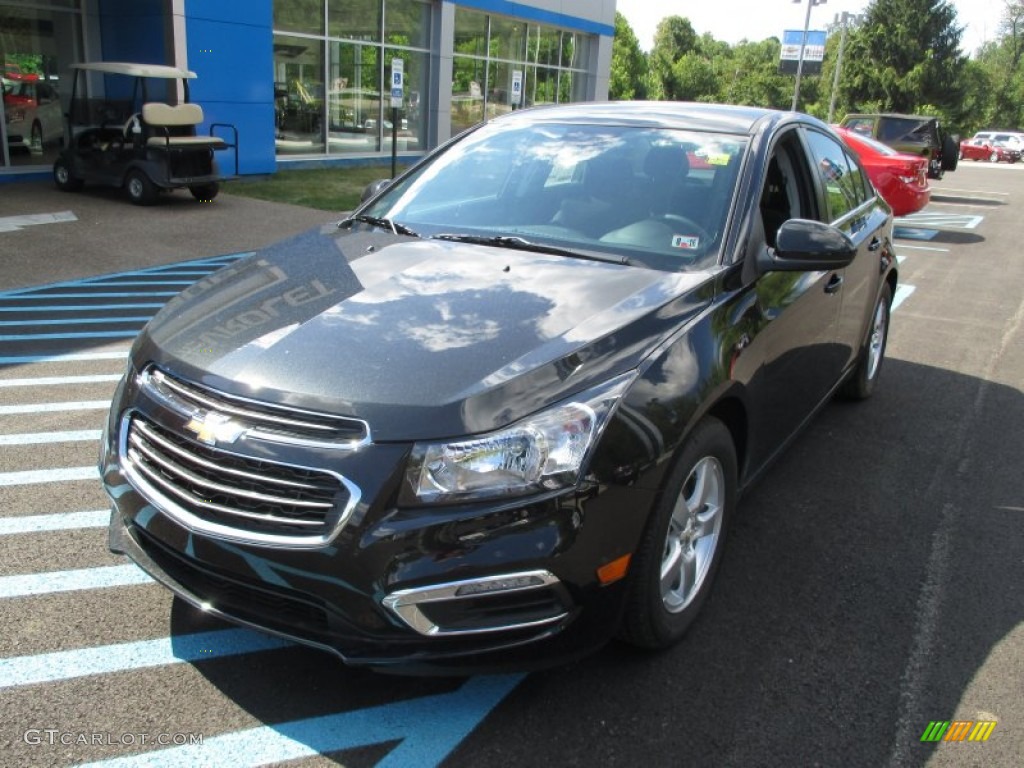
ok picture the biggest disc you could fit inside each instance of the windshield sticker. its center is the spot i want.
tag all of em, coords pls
(686, 242)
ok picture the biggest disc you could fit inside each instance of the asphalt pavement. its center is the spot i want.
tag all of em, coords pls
(873, 582)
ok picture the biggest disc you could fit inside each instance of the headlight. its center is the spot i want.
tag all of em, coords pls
(540, 453)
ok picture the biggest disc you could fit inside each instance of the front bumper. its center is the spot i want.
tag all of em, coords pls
(455, 589)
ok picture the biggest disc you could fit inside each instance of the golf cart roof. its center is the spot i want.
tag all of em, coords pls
(135, 70)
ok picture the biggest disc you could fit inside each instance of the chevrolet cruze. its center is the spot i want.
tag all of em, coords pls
(504, 411)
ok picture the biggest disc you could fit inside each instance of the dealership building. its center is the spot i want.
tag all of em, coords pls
(308, 82)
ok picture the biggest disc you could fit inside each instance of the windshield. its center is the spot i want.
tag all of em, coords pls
(654, 196)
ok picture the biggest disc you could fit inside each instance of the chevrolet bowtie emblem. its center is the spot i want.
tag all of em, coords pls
(212, 428)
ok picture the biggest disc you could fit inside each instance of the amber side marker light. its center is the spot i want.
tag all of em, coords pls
(614, 570)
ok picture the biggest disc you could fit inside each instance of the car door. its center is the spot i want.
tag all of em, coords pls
(789, 318)
(850, 205)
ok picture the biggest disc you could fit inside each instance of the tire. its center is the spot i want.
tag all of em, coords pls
(684, 537)
(861, 384)
(994, 157)
(141, 191)
(63, 176)
(950, 153)
(204, 193)
(35, 145)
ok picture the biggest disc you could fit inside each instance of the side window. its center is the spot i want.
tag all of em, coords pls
(859, 180)
(843, 183)
(861, 125)
(784, 194)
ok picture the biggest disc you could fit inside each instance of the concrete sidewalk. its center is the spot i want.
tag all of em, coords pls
(97, 230)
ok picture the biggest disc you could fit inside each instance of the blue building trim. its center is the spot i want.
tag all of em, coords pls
(508, 8)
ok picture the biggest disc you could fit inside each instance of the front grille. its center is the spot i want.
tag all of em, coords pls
(204, 485)
(187, 398)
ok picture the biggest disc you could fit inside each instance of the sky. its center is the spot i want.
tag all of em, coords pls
(734, 20)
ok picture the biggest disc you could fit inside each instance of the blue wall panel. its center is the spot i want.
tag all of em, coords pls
(133, 30)
(231, 49)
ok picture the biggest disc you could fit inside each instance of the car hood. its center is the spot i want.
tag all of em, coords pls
(422, 338)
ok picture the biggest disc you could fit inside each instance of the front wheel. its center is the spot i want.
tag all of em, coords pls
(994, 157)
(861, 384)
(204, 193)
(674, 566)
(64, 178)
(141, 190)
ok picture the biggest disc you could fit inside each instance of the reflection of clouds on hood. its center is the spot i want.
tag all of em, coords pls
(460, 331)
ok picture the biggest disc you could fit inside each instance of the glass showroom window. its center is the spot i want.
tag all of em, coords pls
(488, 49)
(36, 46)
(298, 94)
(349, 97)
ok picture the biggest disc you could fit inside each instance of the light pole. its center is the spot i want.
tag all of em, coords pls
(803, 46)
(844, 22)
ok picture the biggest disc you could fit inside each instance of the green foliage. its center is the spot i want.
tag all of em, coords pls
(629, 64)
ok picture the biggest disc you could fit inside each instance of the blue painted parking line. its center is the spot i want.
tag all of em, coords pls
(74, 321)
(67, 665)
(72, 335)
(106, 295)
(65, 357)
(104, 577)
(81, 307)
(428, 729)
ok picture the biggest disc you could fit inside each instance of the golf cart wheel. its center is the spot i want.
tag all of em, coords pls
(204, 193)
(64, 178)
(141, 190)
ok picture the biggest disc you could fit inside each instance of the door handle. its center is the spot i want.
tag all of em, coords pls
(875, 244)
(834, 283)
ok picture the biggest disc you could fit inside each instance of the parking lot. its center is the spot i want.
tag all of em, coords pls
(872, 583)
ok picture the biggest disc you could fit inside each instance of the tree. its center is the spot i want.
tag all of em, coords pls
(673, 39)
(629, 64)
(906, 55)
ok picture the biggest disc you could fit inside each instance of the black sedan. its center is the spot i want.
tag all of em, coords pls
(505, 410)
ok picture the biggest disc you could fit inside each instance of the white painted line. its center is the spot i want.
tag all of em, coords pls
(82, 335)
(50, 381)
(72, 357)
(36, 476)
(49, 583)
(43, 438)
(74, 405)
(67, 665)
(13, 223)
(939, 220)
(904, 246)
(79, 307)
(902, 293)
(425, 730)
(74, 321)
(900, 259)
(61, 521)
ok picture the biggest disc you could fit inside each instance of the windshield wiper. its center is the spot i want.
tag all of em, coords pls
(380, 222)
(520, 244)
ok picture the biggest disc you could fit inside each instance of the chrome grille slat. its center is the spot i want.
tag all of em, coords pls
(262, 420)
(183, 472)
(159, 479)
(223, 407)
(168, 445)
(232, 495)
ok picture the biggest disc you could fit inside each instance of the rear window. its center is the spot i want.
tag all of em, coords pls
(906, 129)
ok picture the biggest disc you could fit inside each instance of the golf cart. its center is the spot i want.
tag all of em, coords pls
(138, 135)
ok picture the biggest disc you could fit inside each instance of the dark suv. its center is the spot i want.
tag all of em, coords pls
(912, 134)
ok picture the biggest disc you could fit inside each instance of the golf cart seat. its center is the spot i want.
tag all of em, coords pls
(174, 127)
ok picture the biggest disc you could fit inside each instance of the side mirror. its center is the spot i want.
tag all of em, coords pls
(802, 245)
(373, 188)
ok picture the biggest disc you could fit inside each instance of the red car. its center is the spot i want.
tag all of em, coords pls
(986, 149)
(901, 179)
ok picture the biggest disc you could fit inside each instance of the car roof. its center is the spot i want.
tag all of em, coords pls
(720, 118)
(890, 114)
(135, 70)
